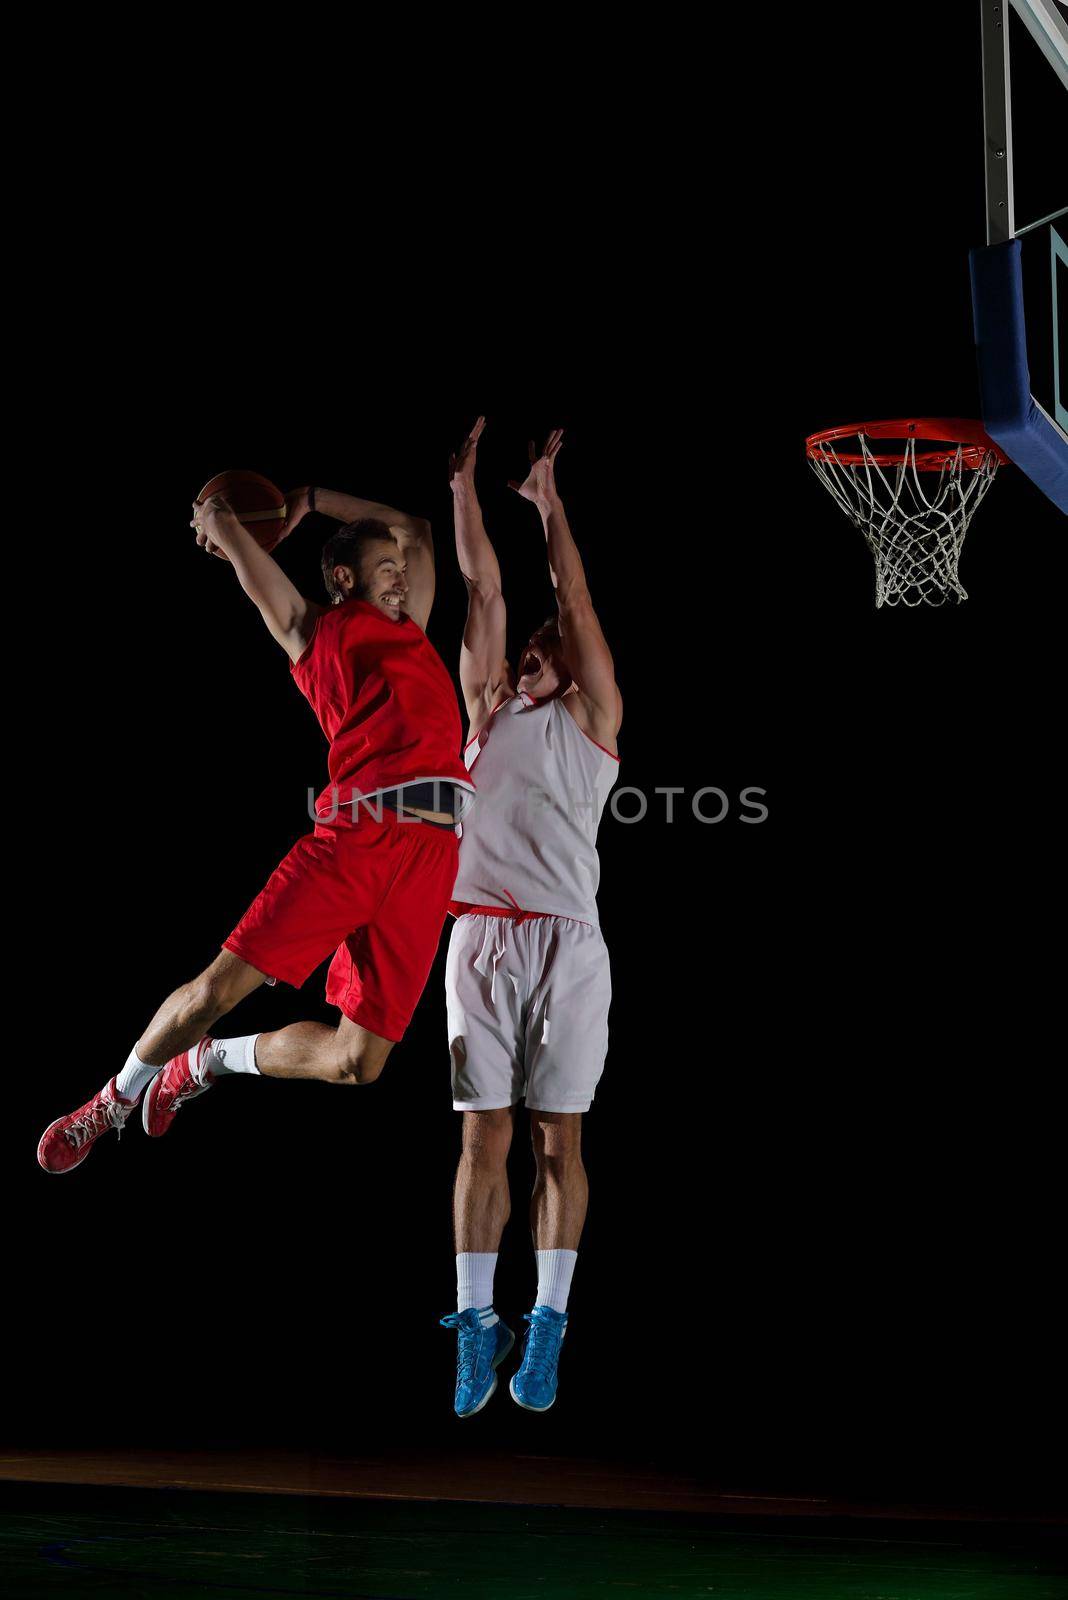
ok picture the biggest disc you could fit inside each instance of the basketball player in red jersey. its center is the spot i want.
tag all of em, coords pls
(372, 882)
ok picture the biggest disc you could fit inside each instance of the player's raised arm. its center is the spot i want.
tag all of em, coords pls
(483, 670)
(288, 615)
(413, 534)
(586, 650)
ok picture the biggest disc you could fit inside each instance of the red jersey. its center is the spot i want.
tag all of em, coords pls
(384, 700)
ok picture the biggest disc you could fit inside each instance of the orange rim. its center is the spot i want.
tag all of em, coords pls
(957, 432)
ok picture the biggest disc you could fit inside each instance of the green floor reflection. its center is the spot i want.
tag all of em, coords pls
(116, 1542)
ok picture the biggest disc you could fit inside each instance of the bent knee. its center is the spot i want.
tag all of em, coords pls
(209, 995)
(358, 1066)
(222, 985)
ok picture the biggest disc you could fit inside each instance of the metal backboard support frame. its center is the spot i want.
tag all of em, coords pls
(1047, 27)
(1058, 251)
(1015, 420)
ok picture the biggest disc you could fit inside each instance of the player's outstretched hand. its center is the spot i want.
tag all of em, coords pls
(462, 464)
(204, 515)
(539, 485)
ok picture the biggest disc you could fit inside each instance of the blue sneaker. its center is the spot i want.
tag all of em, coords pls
(534, 1385)
(481, 1350)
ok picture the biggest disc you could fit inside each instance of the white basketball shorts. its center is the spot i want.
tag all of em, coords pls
(528, 1012)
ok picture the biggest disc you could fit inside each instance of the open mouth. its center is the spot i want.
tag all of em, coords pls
(530, 665)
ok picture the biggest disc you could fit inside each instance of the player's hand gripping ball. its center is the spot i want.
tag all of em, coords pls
(264, 510)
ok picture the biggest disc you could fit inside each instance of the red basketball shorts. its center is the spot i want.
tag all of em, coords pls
(375, 893)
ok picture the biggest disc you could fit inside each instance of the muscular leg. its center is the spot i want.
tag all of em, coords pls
(561, 1192)
(345, 1054)
(481, 1202)
(480, 1207)
(192, 1011)
(180, 1023)
(557, 1213)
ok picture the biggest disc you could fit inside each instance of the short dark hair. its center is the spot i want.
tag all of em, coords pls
(345, 548)
(551, 625)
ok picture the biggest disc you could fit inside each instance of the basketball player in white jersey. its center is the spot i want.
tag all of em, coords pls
(527, 977)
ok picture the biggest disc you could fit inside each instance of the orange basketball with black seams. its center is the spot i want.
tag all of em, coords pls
(257, 504)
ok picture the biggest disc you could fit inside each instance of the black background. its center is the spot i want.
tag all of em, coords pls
(822, 1238)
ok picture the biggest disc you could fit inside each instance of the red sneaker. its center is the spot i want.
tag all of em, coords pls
(66, 1142)
(171, 1088)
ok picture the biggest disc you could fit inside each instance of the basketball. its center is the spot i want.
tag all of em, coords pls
(257, 504)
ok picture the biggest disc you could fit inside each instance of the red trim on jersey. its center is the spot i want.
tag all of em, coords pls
(592, 740)
(500, 704)
(610, 753)
(462, 908)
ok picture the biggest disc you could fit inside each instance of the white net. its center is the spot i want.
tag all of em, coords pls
(914, 519)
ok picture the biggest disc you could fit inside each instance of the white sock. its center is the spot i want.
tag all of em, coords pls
(229, 1055)
(554, 1277)
(474, 1284)
(135, 1076)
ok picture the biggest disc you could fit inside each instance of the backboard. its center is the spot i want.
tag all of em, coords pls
(1020, 278)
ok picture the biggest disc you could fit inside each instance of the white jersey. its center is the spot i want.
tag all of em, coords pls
(530, 839)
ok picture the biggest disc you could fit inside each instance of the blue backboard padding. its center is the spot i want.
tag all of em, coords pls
(1010, 414)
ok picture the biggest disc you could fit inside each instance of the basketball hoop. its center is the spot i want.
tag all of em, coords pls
(914, 516)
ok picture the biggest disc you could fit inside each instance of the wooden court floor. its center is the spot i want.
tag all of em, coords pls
(515, 1528)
